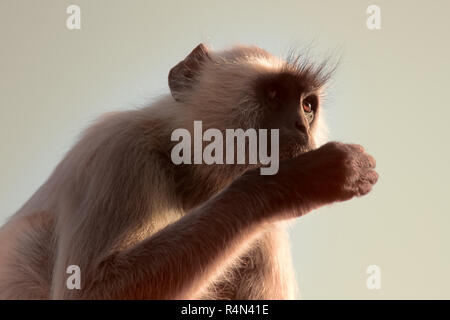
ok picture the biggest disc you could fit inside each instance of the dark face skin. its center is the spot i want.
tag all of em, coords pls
(290, 105)
(289, 99)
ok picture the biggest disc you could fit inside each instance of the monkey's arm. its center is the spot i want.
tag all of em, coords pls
(181, 259)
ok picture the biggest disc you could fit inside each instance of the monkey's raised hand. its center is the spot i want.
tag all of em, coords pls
(333, 172)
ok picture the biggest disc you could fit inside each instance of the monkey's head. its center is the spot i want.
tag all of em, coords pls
(247, 87)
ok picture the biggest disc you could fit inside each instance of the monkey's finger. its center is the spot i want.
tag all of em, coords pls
(370, 176)
(366, 161)
(364, 188)
(366, 182)
(356, 147)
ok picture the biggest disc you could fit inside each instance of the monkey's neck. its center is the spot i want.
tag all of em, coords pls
(194, 184)
(197, 183)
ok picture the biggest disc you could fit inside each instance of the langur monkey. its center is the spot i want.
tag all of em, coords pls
(140, 227)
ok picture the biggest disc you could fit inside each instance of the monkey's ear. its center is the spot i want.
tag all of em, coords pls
(182, 76)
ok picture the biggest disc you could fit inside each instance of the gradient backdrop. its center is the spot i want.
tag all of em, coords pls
(390, 95)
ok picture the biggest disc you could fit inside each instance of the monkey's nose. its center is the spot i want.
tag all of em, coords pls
(300, 126)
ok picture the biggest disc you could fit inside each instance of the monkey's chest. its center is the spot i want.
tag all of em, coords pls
(233, 282)
(263, 272)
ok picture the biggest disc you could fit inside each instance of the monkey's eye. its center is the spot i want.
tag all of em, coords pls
(309, 105)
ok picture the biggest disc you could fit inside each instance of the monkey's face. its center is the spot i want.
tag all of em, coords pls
(247, 87)
(289, 103)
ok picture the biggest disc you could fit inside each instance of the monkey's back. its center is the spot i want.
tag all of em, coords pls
(27, 249)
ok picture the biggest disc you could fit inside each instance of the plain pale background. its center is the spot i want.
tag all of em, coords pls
(390, 95)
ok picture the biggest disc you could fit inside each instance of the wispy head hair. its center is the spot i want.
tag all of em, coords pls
(306, 68)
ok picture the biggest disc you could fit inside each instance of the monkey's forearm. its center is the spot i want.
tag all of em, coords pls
(181, 259)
